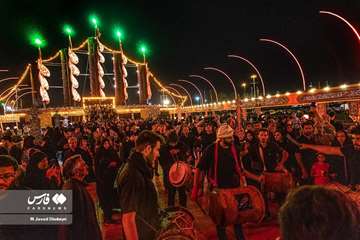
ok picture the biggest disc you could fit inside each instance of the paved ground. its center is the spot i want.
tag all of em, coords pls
(264, 231)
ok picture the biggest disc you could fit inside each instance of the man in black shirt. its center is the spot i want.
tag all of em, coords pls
(137, 192)
(306, 157)
(170, 153)
(351, 152)
(221, 164)
(265, 155)
(209, 136)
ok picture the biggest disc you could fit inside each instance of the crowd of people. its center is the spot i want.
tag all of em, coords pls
(122, 156)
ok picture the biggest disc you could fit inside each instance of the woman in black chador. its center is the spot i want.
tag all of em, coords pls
(107, 162)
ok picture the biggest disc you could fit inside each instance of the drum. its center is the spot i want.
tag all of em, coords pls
(180, 174)
(236, 206)
(353, 195)
(177, 223)
(278, 182)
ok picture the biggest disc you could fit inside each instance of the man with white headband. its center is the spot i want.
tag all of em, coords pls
(221, 163)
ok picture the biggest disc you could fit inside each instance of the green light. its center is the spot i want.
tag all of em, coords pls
(94, 20)
(37, 40)
(118, 33)
(68, 30)
(143, 49)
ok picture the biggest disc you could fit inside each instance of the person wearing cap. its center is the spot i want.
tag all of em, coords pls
(221, 163)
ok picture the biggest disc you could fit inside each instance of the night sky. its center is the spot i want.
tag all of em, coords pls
(186, 36)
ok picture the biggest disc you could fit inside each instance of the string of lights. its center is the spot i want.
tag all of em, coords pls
(56, 55)
(117, 51)
(21, 79)
(184, 98)
(82, 45)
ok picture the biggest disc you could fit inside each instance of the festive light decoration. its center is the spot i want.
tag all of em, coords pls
(227, 76)
(312, 90)
(21, 96)
(344, 20)
(52, 58)
(197, 89)
(125, 74)
(185, 90)
(94, 20)
(118, 33)
(177, 92)
(74, 72)
(82, 45)
(255, 68)
(44, 85)
(144, 50)
(292, 55)
(101, 60)
(37, 40)
(326, 89)
(148, 86)
(166, 90)
(68, 30)
(127, 57)
(344, 86)
(212, 86)
(17, 91)
(84, 99)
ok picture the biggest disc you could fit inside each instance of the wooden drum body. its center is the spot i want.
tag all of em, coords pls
(278, 182)
(236, 205)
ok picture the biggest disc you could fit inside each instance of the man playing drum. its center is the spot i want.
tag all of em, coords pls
(170, 153)
(266, 157)
(221, 163)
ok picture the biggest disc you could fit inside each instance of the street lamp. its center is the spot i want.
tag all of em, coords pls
(253, 78)
(166, 102)
(243, 85)
(197, 99)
